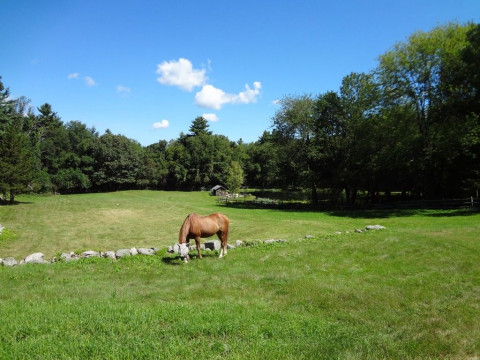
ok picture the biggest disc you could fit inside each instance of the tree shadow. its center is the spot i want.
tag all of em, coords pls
(15, 203)
(381, 211)
(384, 214)
(459, 212)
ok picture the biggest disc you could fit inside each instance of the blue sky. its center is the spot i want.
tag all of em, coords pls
(147, 69)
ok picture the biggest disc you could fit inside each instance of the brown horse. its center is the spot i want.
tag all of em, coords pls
(196, 226)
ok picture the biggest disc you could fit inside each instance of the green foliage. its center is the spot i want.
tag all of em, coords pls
(235, 177)
(412, 125)
(200, 126)
(16, 160)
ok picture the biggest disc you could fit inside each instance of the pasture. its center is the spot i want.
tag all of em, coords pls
(409, 291)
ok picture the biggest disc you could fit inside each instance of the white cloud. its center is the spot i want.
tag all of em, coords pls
(211, 97)
(214, 98)
(73, 76)
(211, 117)
(161, 124)
(89, 81)
(123, 90)
(180, 73)
(249, 95)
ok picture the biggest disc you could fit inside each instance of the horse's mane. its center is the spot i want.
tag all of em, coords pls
(184, 230)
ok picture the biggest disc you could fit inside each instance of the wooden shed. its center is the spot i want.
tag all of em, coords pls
(218, 190)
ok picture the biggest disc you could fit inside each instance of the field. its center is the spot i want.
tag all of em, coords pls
(409, 291)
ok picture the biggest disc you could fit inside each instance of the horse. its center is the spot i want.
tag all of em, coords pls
(196, 226)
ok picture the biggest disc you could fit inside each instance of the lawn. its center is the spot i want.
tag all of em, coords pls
(409, 291)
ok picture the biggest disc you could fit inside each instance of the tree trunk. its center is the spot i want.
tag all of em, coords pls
(314, 193)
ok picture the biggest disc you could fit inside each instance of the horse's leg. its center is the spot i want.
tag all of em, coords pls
(197, 241)
(223, 238)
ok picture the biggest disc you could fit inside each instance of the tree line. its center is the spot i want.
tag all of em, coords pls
(411, 125)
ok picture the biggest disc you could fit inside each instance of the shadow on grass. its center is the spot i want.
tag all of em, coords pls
(384, 214)
(176, 260)
(15, 203)
(361, 212)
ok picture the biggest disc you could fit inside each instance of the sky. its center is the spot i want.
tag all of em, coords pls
(147, 69)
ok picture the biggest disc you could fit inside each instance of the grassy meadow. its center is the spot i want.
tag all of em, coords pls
(411, 291)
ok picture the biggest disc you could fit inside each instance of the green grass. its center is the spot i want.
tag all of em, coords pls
(410, 291)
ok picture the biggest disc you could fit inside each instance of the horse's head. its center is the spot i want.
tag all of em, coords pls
(183, 250)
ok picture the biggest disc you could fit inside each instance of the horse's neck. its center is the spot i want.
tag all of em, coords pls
(182, 237)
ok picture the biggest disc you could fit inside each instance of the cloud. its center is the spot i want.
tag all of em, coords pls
(211, 117)
(249, 95)
(161, 124)
(73, 76)
(180, 73)
(211, 97)
(214, 98)
(89, 81)
(123, 90)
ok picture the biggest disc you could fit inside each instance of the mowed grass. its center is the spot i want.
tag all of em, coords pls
(410, 291)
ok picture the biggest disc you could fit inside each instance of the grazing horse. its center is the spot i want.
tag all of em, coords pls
(196, 226)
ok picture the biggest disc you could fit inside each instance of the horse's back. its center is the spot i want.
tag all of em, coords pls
(208, 223)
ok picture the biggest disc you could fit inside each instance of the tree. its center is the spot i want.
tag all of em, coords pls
(262, 167)
(360, 103)
(200, 126)
(416, 81)
(329, 148)
(16, 160)
(117, 162)
(235, 177)
(293, 134)
(77, 166)
(155, 164)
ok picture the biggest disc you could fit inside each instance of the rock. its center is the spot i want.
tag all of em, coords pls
(359, 231)
(309, 237)
(89, 254)
(176, 247)
(133, 251)
(375, 227)
(338, 233)
(239, 243)
(122, 252)
(145, 251)
(69, 257)
(110, 255)
(1, 261)
(9, 261)
(229, 247)
(170, 249)
(270, 241)
(36, 258)
(213, 245)
(155, 250)
(1, 229)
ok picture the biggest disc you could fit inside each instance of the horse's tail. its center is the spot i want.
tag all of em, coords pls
(227, 221)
